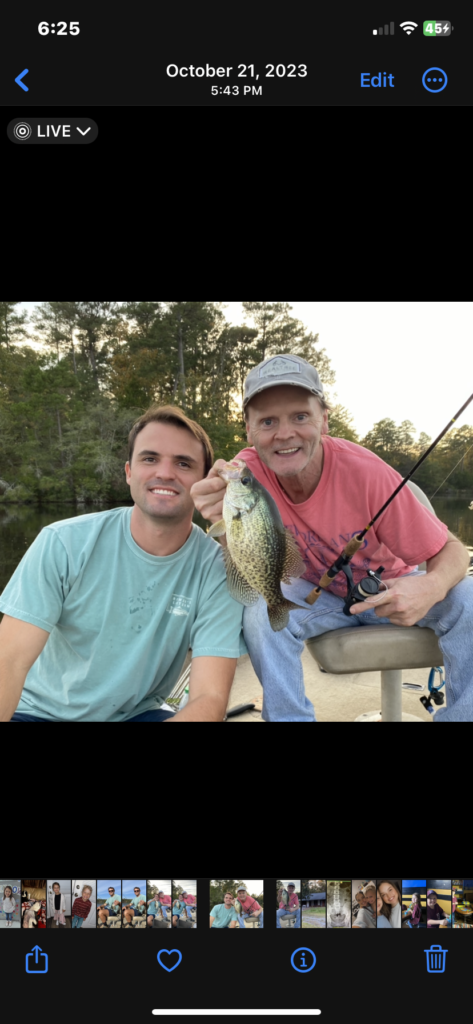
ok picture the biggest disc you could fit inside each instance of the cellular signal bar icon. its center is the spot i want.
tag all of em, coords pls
(388, 30)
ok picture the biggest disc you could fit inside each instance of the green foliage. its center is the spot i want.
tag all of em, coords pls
(75, 377)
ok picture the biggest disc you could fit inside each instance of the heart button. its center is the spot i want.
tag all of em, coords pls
(169, 952)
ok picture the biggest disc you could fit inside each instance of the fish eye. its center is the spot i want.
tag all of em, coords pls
(245, 479)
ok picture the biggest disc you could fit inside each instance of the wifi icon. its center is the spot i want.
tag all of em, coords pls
(408, 26)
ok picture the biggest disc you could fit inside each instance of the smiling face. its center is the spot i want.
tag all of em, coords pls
(56, 888)
(166, 461)
(228, 900)
(285, 424)
(431, 901)
(389, 894)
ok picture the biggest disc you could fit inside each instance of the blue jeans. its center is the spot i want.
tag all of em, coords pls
(260, 919)
(276, 656)
(146, 716)
(8, 916)
(284, 911)
(77, 922)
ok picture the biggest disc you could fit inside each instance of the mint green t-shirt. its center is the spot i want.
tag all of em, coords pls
(138, 903)
(110, 902)
(223, 916)
(120, 620)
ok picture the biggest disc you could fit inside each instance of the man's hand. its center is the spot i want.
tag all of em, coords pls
(208, 494)
(406, 600)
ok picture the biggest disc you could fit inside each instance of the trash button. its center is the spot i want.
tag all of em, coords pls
(436, 959)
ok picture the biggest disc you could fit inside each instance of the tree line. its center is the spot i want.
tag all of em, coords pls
(74, 376)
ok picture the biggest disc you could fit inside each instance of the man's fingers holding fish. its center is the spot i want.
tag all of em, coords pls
(208, 494)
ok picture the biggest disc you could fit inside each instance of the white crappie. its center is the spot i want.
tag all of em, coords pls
(260, 552)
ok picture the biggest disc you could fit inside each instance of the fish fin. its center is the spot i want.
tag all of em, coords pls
(218, 529)
(238, 586)
(293, 562)
(279, 614)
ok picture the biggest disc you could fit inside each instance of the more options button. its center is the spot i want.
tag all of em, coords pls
(48, 131)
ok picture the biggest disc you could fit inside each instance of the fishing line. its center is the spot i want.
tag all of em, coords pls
(341, 564)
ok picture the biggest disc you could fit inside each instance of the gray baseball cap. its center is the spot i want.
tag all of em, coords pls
(242, 887)
(282, 370)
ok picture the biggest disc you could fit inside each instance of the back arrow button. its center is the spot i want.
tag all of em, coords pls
(20, 83)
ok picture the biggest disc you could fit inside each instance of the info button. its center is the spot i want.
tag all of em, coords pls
(49, 131)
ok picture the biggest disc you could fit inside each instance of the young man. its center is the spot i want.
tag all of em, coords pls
(326, 490)
(291, 907)
(135, 906)
(111, 907)
(224, 915)
(103, 608)
(248, 906)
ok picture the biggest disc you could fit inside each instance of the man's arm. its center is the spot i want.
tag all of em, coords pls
(409, 598)
(212, 919)
(20, 645)
(209, 686)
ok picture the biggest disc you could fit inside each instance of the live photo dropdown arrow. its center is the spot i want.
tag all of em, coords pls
(83, 132)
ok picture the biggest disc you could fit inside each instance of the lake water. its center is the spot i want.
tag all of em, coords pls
(20, 524)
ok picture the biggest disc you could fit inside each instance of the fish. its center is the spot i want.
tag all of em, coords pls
(237, 907)
(260, 552)
(284, 897)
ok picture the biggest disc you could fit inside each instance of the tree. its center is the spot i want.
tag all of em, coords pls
(12, 324)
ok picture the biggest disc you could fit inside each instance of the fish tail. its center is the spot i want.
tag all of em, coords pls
(279, 614)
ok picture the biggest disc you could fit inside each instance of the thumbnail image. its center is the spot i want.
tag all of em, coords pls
(59, 904)
(134, 902)
(10, 902)
(338, 904)
(236, 903)
(184, 903)
(84, 903)
(109, 903)
(288, 914)
(33, 902)
(313, 902)
(414, 906)
(389, 902)
(462, 902)
(159, 899)
(439, 903)
(363, 904)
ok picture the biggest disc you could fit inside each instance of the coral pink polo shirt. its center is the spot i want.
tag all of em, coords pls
(354, 485)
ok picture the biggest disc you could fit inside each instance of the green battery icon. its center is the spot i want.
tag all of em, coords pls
(437, 28)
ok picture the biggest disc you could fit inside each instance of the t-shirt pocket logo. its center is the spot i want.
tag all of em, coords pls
(179, 605)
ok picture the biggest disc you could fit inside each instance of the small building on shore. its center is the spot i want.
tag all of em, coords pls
(314, 899)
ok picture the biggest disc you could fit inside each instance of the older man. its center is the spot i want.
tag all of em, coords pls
(249, 906)
(291, 907)
(189, 900)
(326, 490)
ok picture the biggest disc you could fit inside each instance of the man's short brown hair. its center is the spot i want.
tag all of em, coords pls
(174, 415)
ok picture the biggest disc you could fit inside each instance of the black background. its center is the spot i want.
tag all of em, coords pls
(121, 54)
(374, 976)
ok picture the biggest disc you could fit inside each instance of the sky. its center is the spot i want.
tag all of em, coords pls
(187, 884)
(128, 885)
(396, 360)
(162, 884)
(103, 886)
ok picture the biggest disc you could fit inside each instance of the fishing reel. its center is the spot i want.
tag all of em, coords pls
(367, 587)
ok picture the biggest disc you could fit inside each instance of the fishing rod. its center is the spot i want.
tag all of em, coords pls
(370, 583)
